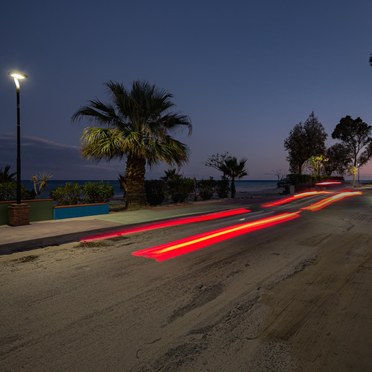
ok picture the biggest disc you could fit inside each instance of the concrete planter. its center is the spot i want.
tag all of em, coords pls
(79, 210)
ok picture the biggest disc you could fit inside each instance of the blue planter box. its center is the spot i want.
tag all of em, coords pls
(81, 210)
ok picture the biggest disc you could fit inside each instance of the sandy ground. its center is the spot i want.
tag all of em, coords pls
(295, 297)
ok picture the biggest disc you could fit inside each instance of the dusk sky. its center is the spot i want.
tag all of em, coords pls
(245, 72)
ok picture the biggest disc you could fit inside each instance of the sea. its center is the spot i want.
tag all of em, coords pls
(241, 185)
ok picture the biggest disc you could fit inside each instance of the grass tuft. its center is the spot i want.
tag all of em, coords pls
(91, 244)
(24, 259)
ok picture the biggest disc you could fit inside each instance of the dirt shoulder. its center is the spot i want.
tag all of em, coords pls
(322, 316)
(295, 297)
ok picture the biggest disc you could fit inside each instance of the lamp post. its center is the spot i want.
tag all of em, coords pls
(19, 212)
(17, 76)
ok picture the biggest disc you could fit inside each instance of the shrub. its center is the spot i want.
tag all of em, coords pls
(155, 191)
(8, 191)
(206, 188)
(68, 194)
(299, 179)
(180, 188)
(96, 192)
(91, 192)
(222, 188)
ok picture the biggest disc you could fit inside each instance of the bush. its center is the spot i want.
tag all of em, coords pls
(91, 192)
(299, 179)
(180, 188)
(206, 188)
(222, 188)
(96, 192)
(68, 194)
(8, 191)
(155, 191)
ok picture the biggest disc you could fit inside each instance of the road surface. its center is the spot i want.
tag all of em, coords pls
(291, 297)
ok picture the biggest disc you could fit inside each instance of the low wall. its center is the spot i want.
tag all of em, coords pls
(45, 209)
(40, 210)
(80, 210)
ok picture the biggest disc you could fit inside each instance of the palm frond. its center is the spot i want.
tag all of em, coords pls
(100, 143)
(138, 121)
(98, 112)
(173, 120)
(168, 150)
(234, 168)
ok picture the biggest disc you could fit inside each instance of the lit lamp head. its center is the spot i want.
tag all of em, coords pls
(17, 76)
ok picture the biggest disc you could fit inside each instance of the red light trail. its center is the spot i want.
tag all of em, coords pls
(163, 224)
(332, 199)
(294, 197)
(328, 183)
(179, 247)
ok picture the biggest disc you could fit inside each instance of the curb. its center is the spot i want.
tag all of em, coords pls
(28, 245)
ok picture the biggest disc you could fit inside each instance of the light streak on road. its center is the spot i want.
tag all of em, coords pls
(168, 223)
(294, 197)
(328, 183)
(179, 247)
(332, 199)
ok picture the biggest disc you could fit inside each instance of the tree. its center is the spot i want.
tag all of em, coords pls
(336, 160)
(304, 141)
(316, 165)
(233, 168)
(5, 176)
(355, 136)
(136, 125)
(216, 161)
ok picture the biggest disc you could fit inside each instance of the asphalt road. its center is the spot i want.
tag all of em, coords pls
(290, 297)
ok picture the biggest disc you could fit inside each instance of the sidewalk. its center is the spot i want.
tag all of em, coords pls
(56, 232)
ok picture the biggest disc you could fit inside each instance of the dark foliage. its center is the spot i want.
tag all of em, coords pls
(155, 191)
(178, 188)
(206, 188)
(91, 192)
(6, 176)
(304, 141)
(356, 138)
(8, 191)
(337, 160)
(97, 192)
(222, 188)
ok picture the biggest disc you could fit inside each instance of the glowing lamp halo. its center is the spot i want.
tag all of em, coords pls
(18, 75)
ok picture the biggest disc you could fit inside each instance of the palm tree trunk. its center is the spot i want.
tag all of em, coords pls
(135, 182)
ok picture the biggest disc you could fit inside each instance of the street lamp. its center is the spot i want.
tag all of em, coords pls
(17, 76)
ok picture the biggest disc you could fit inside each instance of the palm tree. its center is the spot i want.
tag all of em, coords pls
(5, 176)
(234, 169)
(135, 125)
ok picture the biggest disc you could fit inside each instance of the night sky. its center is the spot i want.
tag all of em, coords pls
(245, 72)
